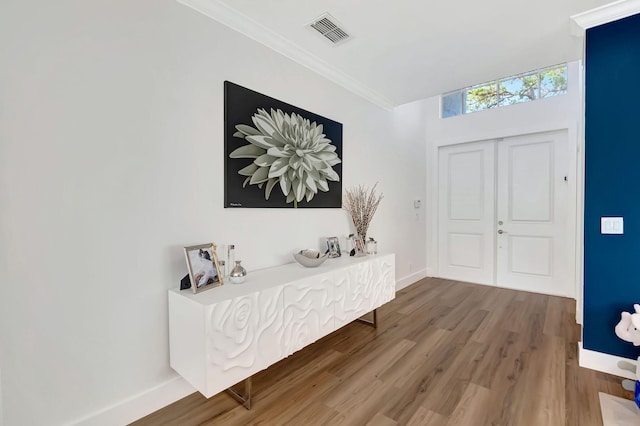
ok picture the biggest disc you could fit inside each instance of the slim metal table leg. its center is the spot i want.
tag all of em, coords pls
(373, 323)
(245, 397)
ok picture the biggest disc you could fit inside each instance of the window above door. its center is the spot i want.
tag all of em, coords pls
(530, 86)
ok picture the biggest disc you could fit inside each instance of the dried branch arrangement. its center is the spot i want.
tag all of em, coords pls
(361, 203)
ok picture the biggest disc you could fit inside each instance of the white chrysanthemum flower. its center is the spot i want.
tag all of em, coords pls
(289, 150)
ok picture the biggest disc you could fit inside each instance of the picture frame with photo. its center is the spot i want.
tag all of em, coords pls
(333, 247)
(358, 246)
(204, 267)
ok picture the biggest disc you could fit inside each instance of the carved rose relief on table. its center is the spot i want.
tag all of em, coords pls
(245, 333)
(254, 331)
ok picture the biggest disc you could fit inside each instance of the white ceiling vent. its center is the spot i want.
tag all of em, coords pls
(329, 28)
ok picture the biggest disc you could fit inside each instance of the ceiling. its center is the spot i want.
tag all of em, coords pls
(406, 50)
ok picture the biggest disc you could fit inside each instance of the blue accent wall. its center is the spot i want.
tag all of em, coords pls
(612, 182)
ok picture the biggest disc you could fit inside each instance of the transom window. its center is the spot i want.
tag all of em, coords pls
(530, 86)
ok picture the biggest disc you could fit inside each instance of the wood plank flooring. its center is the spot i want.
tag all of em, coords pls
(444, 353)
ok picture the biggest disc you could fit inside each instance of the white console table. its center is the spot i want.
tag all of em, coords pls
(223, 336)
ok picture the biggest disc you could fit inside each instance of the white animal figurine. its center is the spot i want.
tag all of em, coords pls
(628, 329)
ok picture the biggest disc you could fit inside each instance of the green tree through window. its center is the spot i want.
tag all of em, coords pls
(526, 87)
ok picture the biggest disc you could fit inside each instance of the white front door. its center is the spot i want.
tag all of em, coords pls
(503, 213)
(466, 211)
(532, 214)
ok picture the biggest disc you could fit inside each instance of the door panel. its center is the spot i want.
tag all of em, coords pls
(530, 181)
(466, 250)
(532, 204)
(530, 255)
(465, 185)
(466, 212)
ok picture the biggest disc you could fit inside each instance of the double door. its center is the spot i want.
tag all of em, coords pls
(502, 213)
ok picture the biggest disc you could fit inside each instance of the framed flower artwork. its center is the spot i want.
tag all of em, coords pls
(279, 155)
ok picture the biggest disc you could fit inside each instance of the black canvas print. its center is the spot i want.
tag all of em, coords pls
(279, 155)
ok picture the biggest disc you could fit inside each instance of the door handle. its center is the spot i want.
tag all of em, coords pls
(500, 231)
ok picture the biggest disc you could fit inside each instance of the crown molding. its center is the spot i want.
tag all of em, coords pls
(604, 14)
(226, 15)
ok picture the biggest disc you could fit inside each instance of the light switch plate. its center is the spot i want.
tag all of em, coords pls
(611, 225)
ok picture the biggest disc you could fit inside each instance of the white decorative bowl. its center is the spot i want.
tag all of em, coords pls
(310, 258)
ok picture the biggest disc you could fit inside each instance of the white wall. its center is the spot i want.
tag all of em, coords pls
(561, 112)
(111, 156)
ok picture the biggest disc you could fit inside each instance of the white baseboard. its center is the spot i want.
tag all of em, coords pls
(1, 413)
(140, 405)
(579, 317)
(410, 279)
(603, 362)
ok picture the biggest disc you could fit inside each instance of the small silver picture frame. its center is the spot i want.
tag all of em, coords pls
(333, 247)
